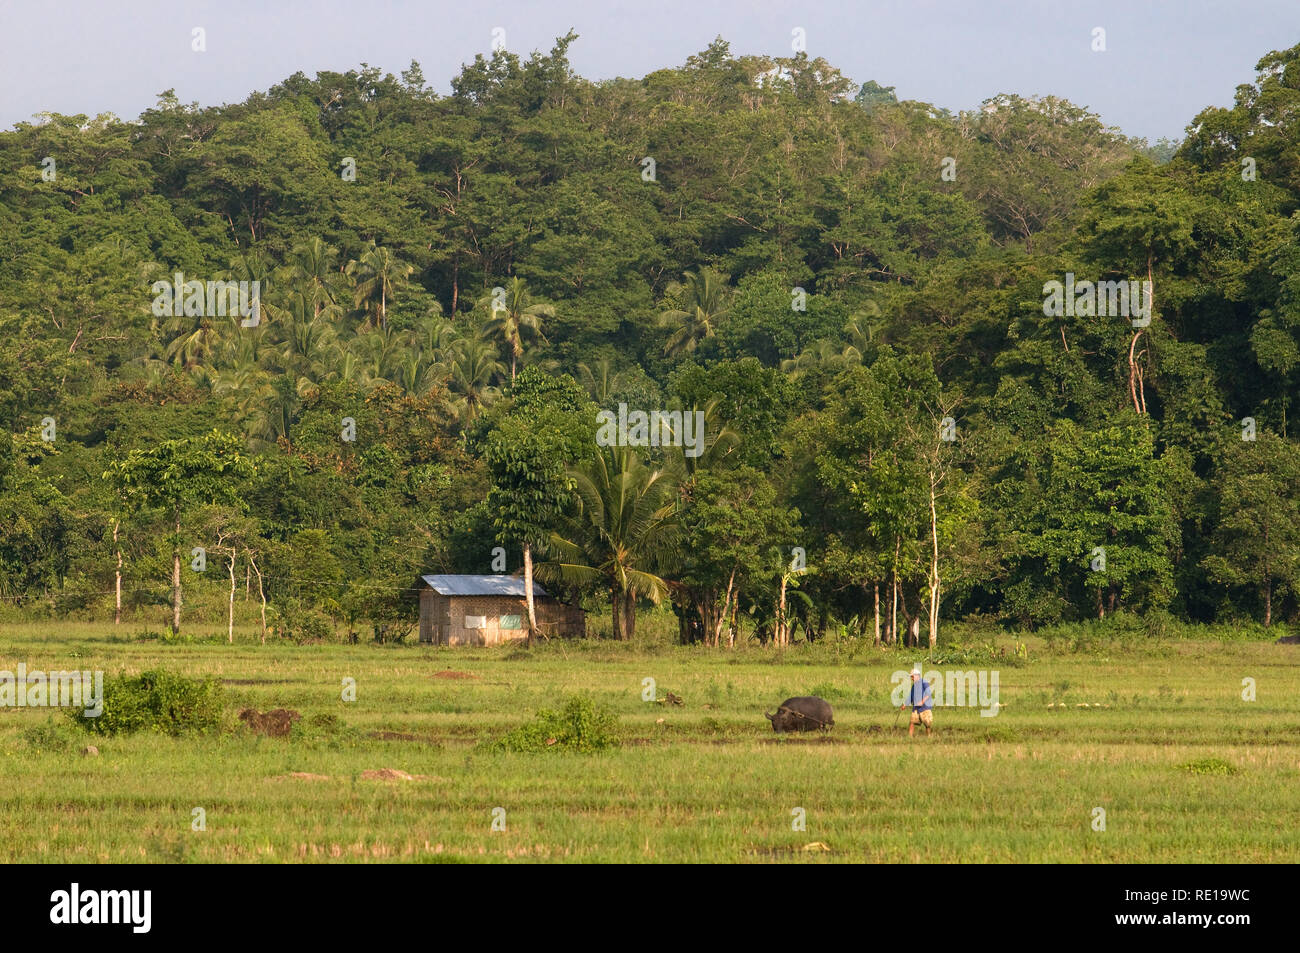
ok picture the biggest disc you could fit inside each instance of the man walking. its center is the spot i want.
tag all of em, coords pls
(921, 698)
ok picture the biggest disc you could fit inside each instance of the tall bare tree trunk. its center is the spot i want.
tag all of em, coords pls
(261, 593)
(782, 630)
(875, 598)
(528, 591)
(624, 614)
(176, 580)
(934, 570)
(616, 607)
(230, 619)
(1133, 374)
(726, 606)
(893, 616)
(117, 577)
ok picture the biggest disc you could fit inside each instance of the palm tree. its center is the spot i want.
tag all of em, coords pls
(865, 329)
(715, 442)
(379, 352)
(473, 368)
(513, 316)
(305, 344)
(249, 388)
(623, 528)
(416, 373)
(378, 275)
(193, 339)
(312, 272)
(821, 354)
(600, 379)
(703, 307)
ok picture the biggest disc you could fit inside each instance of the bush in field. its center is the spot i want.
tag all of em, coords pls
(50, 736)
(581, 725)
(1210, 766)
(156, 701)
(301, 622)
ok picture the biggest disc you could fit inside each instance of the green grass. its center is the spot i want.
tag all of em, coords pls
(1185, 769)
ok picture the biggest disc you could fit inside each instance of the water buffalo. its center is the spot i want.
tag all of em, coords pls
(805, 713)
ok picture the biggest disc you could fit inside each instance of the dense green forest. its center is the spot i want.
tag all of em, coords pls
(849, 291)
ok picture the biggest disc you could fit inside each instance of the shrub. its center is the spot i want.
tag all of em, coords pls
(301, 622)
(581, 725)
(156, 701)
(49, 736)
(1211, 766)
(323, 729)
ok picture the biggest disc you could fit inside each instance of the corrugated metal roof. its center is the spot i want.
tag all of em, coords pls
(466, 585)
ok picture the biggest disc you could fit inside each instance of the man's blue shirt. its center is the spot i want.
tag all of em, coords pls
(921, 697)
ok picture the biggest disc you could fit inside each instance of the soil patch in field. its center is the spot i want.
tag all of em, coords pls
(397, 736)
(258, 681)
(448, 673)
(815, 847)
(301, 776)
(393, 774)
(276, 723)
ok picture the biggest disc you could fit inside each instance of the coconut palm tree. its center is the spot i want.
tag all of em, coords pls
(713, 444)
(599, 379)
(277, 412)
(379, 275)
(512, 317)
(379, 350)
(622, 531)
(703, 298)
(473, 368)
(313, 273)
(823, 354)
(305, 346)
(193, 339)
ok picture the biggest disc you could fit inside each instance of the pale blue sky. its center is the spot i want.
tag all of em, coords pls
(1165, 59)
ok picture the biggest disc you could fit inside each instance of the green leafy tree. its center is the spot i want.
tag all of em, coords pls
(177, 476)
(1256, 539)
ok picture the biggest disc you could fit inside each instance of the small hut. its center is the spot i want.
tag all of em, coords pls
(485, 610)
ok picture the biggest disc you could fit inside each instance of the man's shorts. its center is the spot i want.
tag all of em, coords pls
(922, 717)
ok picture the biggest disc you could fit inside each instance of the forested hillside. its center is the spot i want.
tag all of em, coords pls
(855, 295)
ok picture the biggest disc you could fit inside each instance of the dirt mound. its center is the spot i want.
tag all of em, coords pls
(256, 681)
(274, 724)
(386, 774)
(448, 673)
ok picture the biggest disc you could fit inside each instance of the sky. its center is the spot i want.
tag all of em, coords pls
(1164, 60)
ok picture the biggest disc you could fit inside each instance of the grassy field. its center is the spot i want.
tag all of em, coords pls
(1185, 769)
